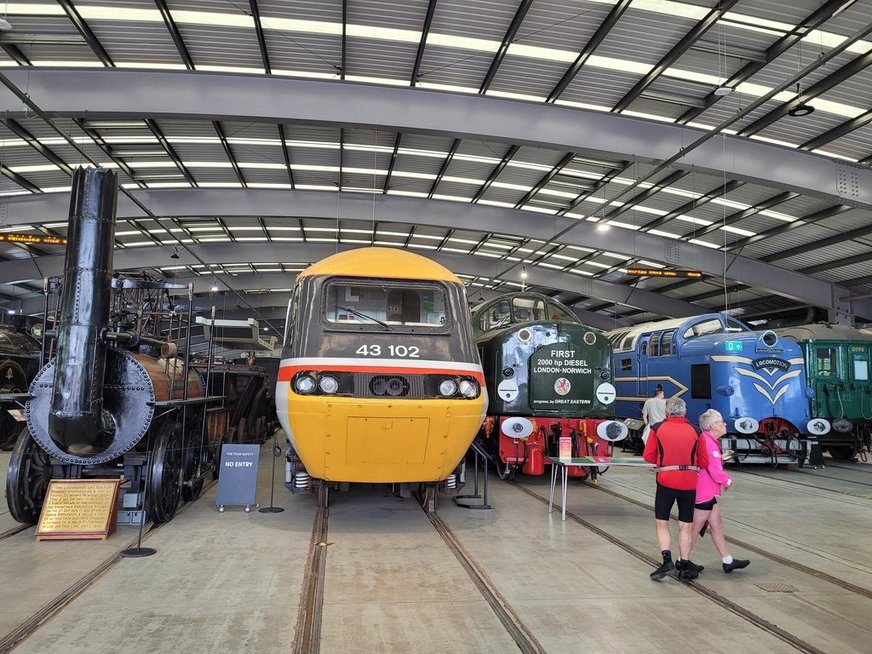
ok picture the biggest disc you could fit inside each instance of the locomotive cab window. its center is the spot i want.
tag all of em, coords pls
(666, 348)
(289, 317)
(498, 315)
(385, 306)
(734, 325)
(556, 312)
(827, 361)
(655, 345)
(711, 326)
(861, 367)
(528, 308)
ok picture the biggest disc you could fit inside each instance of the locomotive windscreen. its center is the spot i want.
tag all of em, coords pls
(385, 305)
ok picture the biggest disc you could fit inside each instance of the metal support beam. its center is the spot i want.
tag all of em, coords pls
(362, 207)
(182, 95)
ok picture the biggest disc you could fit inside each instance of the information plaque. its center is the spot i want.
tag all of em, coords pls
(79, 508)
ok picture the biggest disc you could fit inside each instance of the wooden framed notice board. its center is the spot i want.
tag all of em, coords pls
(79, 508)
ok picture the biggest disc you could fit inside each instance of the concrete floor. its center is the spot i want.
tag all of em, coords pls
(230, 582)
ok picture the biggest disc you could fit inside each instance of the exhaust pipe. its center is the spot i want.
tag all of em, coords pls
(77, 422)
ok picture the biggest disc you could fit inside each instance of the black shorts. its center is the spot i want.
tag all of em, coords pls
(665, 497)
(707, 506)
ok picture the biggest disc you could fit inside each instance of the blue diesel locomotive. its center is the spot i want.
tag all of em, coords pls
(713, 361)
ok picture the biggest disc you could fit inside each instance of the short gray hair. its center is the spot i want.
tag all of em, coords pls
(709, 419)
(675, 407)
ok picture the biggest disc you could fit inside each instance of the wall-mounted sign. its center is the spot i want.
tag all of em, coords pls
(33, 239)
(658, 272)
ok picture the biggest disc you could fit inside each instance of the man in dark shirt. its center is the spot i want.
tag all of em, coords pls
(678, 450)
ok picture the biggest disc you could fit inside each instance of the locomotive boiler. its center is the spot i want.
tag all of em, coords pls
(549, 378)
(115, 400)
(754, 378)
(379, 381)
(837, 360)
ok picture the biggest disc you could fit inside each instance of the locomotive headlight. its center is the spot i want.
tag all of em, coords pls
(448, 388)
(328, 384)
(305, 384)
(468, 388)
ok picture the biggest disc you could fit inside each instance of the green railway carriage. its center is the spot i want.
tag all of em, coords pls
(839, 368)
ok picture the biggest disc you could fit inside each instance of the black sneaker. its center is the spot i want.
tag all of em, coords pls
(694, 566)
(665, 568)
(686, 572)
(737, 564)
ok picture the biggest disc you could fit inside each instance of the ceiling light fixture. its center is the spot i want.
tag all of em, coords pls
(800, 110)
(5, 25)
(175, 254)
(721, 91)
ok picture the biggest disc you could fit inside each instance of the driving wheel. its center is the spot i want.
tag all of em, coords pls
(27, 479)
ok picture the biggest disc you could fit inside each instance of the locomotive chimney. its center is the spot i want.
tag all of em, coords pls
(78, 424)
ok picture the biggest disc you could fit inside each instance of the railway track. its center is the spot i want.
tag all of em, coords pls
(308, 626)
(709, 594)
(14, 530)
(856, 467)
(62, 599)
(307, 633)
(513, 624)
(841, 583)
(816, 487)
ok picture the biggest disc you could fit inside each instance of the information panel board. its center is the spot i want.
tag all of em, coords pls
(237, 477)
(79, 508)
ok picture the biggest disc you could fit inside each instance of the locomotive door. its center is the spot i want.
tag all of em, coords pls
(827, 386)
(858, 397)
(647, 344)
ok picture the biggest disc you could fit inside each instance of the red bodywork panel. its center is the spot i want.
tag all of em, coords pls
(531, 453)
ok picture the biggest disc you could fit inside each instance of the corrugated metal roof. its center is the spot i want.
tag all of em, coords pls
(307, 39)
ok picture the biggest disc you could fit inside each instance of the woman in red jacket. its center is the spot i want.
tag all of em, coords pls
(708, 488)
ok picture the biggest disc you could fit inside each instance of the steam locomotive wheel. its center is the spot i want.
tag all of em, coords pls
(27, 479)
(198, 459)
(165, 480)
(842, 452)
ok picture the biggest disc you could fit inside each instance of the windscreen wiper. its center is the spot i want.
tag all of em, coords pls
(360, 314)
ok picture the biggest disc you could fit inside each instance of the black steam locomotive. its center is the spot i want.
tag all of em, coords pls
(115, 399)
(19, 363)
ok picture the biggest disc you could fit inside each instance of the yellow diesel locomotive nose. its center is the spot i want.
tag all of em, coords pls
(371, 441)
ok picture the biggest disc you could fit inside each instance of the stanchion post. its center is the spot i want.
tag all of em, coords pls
(272, 487)
(139, 551)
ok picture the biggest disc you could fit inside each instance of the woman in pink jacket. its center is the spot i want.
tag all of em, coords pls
(708, 488)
